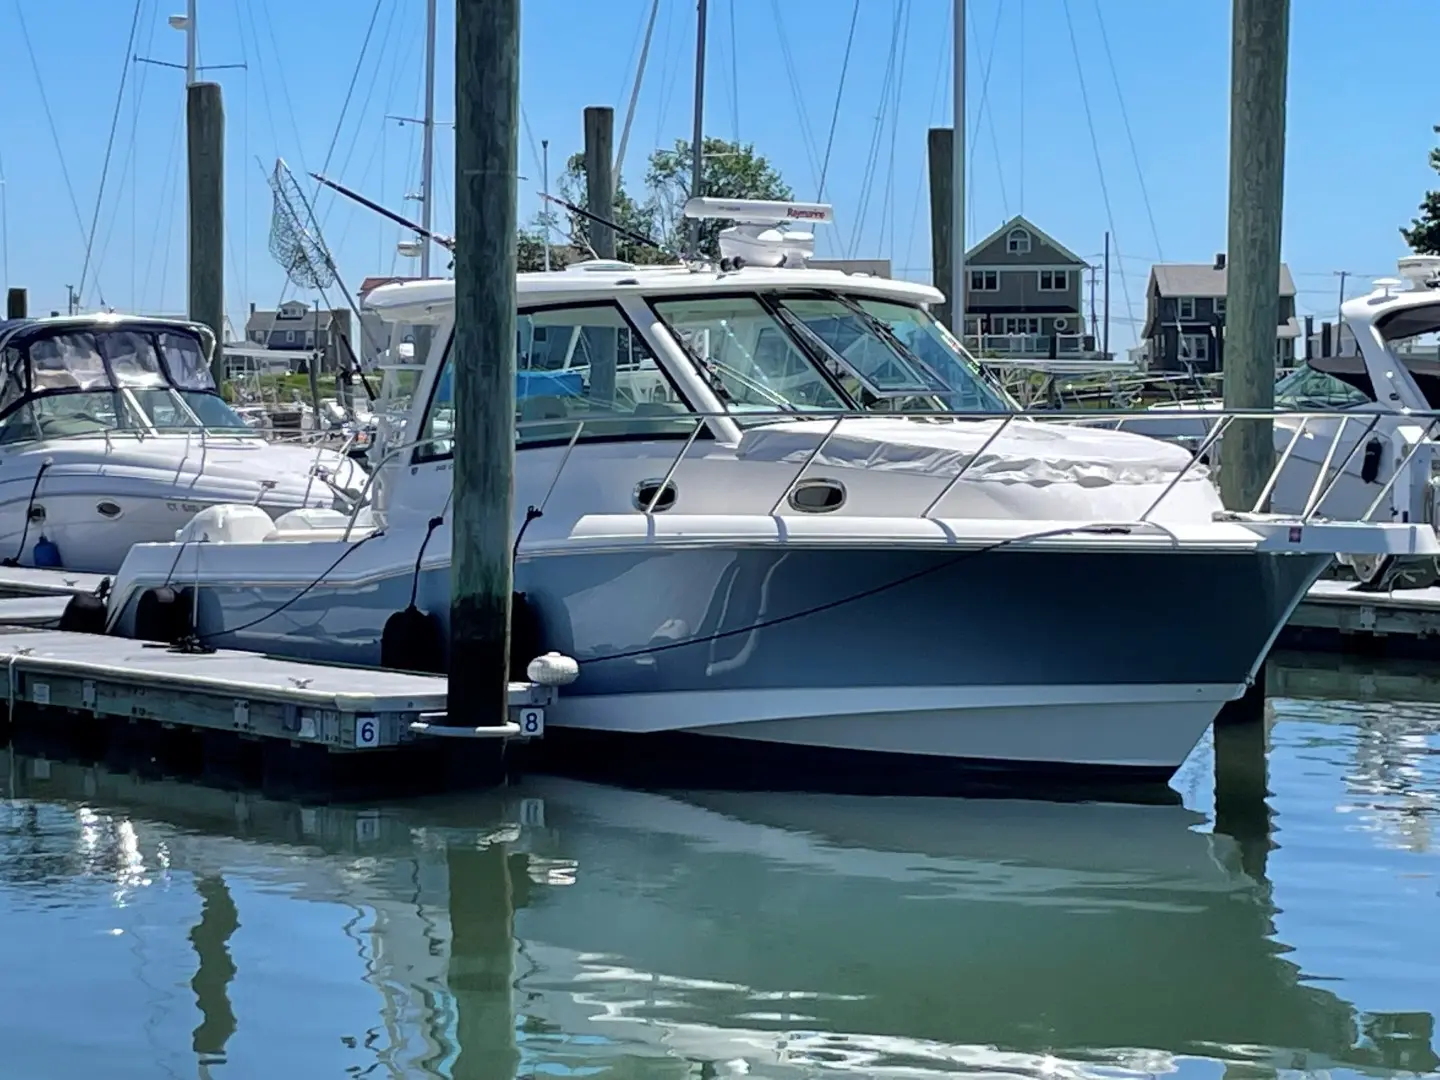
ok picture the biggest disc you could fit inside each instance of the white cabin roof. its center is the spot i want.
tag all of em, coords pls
(432, 300)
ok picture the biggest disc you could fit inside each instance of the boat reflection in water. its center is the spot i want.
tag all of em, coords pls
(569, 927)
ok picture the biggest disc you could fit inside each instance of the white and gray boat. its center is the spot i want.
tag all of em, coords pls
(773, 547)
(113, 433)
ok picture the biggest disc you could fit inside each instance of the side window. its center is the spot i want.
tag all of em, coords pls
(572, 364)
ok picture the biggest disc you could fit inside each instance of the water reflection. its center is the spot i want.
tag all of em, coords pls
(572, 928)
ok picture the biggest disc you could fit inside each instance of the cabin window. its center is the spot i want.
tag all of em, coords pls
(576, 364)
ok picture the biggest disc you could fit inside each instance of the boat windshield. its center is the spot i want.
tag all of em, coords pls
(62, 381)
(826, 352)
(1305, 389)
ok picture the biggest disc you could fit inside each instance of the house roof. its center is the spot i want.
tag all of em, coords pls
(1030, 227)
(1202, 279)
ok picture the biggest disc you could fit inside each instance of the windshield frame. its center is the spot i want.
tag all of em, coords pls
(18, 367)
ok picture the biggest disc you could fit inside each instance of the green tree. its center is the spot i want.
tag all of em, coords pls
(627, 213)
(730, 170)
(530, 249)
(1423, 236)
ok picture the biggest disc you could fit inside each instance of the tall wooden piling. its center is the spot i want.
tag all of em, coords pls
(601, 341)
(205, 143)
(940, 147)
(599, 177)
(1260, 43)
(487, 107)
(17, 304)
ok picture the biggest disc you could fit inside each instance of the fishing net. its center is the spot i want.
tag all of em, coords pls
(300, 253)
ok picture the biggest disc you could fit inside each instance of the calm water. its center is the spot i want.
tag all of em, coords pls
(561, 929)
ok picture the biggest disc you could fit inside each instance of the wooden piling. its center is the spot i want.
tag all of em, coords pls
(599, 178)
(1260, 42)
(487, 107)
(17, 304)
(205, 142)
(601, 341)
(940, 147)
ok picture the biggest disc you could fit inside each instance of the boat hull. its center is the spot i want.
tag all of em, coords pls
(913, 662)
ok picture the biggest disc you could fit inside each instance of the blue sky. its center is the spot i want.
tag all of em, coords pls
(1361, 110)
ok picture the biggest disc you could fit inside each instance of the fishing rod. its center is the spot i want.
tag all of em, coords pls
(447, 242)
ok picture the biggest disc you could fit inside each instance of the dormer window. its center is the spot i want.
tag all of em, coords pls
(1017, 242)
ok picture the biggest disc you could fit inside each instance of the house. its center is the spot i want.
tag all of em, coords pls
(1022, 295)
(297, 327)
(1185, 317)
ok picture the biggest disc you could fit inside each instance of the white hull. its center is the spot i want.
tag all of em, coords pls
(1119, 726)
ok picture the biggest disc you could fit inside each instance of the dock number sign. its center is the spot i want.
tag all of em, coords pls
(367, 731)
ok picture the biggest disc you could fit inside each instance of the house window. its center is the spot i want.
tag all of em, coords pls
(1054, 280)
(309, 337)
(1219, 305)
(258, 336)
(1185, 308)
(984, 281)
(1194, 348)
(1020, 324)
(1018, 242)
(289, 337)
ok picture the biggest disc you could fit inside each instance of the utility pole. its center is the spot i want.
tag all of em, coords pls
(1260, 36)
(1339, 317)
(1105, 329)
(487, 122)
(1094, 311)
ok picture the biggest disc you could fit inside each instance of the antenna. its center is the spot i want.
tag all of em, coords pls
(760, 235)
(1421, 271)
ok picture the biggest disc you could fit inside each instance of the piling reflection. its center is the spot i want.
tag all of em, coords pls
(568, 927)
(214, 970)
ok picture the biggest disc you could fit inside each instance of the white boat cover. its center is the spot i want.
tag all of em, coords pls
(1026, 453)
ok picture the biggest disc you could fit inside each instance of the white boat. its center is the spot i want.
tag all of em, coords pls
(787, 544)
(112, 433)
(1352, 424)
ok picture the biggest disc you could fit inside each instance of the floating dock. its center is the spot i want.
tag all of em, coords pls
(1339, 616)
(322, 727)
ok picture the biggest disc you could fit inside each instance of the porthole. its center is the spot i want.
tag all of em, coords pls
(645, 495)
(817, 496)
(108, 509)
(37, 513)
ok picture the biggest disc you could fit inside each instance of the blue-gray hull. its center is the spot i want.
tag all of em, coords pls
(758, 618)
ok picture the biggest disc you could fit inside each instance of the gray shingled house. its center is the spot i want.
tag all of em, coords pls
(1185, 317)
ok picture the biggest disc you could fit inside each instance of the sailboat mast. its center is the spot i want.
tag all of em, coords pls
(427, 151)
(957, 201)
(697, 143)
(192, 46)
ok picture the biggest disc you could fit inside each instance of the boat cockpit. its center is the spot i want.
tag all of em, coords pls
(61, 378)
